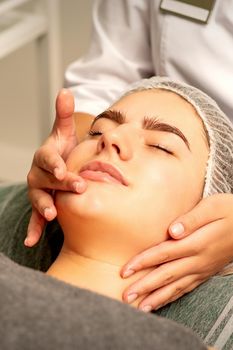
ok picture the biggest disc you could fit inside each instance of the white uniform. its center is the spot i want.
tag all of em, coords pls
(133, 39)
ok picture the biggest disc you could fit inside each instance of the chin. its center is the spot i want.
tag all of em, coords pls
(94, 202)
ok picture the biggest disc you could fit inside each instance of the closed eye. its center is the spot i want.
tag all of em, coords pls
(162, 148)
(94, 133)
(157, 146)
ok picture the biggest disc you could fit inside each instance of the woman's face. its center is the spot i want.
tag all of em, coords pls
(156, 141)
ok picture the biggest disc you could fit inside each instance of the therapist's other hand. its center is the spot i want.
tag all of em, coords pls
(48, 171)
(201, 245)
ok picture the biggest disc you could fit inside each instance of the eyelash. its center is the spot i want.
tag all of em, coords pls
(161, 148)
(158, 146)
(94, 133)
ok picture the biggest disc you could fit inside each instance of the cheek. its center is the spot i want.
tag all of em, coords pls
(152, 204)
(80, 155)
(164, 190)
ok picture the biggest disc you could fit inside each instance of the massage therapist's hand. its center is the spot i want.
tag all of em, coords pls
(201, 245)
(48, 171)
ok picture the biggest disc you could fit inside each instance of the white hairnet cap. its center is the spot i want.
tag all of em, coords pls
(219, 170)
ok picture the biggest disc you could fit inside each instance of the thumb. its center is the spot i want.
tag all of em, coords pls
(202, 214)
(64, 123)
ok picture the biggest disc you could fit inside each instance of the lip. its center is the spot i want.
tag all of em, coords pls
(100, 171)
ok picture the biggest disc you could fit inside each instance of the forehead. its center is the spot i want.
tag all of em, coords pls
(165, 105)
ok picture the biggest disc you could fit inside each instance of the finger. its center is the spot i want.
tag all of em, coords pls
(35, 228)
(202, 214)
(62, 139)
(169, 293)
(157, 255)
(64, 121)
(160, 277)
(42, 201)
(42, 179)
(50, 160)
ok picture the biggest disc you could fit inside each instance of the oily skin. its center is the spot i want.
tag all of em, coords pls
(109, 223)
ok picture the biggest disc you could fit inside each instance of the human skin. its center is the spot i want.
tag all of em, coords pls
(110, 222)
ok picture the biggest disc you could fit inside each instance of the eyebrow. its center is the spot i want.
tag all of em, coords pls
(148, 123)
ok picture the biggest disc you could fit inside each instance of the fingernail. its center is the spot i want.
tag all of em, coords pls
(27, 242)
(131, 297)
(58, 173)
(146, 308)
(177, 229)
(128, 273)
(77, 186)
(48, 213)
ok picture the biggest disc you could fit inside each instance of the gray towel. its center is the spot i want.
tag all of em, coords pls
(40, 312)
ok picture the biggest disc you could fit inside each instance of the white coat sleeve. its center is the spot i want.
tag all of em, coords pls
(119, 54)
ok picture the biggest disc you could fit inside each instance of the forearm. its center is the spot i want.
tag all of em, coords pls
(111, 64)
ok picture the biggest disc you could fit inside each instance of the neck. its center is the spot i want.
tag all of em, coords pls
(93, 274)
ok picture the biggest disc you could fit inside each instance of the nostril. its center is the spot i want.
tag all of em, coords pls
(117, 148)
(104, 144)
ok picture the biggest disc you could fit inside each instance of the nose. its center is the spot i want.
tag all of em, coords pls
(116, 142)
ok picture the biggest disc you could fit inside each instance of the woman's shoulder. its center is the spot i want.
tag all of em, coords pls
(20, 277)
(15, 211)
(207, 310)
